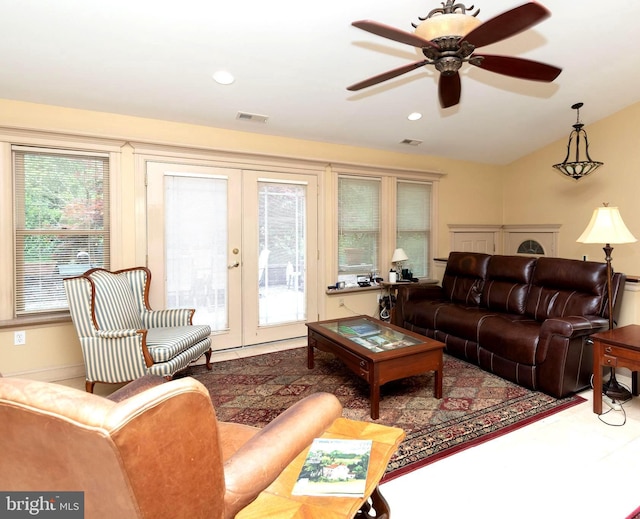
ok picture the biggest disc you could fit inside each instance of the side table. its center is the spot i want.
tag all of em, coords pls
(277, 501)
(617, 348)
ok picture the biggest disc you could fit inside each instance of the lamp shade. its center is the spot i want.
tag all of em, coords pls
(399, 255)
(606, 226)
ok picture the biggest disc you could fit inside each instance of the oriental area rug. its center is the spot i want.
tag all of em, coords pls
(476, 406)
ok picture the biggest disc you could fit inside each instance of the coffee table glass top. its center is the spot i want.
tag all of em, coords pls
(373, 336)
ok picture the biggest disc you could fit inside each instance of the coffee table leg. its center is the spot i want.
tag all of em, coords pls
(374, 396)
(376, 507)
(437, 383)
(310, 359)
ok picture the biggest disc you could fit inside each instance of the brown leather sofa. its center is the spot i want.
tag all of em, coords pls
(525, 319)
(152, 450)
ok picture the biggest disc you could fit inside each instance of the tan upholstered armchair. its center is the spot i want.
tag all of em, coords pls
(122, 338)
(152, 454)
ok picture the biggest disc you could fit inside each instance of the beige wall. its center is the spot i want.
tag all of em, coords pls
(534, 192)
(466, 191)
(527, 191)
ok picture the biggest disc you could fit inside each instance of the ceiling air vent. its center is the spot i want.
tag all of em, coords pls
(411, 142)
(254, 118)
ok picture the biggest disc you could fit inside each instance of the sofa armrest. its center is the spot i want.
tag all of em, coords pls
(573, 326)
(261, 459)
(414, 292)
(420, 292)
(168, 317)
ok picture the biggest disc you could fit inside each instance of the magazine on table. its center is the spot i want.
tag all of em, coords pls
(334, 467)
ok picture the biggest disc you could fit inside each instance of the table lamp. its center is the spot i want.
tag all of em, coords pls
(399, 256)
(606, 226)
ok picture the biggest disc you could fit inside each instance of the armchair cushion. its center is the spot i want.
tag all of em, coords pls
(165, 343)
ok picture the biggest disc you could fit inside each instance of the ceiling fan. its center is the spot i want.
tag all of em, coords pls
(448, 37)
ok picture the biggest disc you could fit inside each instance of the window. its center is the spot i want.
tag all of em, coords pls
(379, 214)
(413, 208)
(358, 226)
(61, 222)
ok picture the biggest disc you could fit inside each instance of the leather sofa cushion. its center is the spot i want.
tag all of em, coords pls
(511, 337)
(464, 277)
(460, 321)
(562, 287)
(507, 285)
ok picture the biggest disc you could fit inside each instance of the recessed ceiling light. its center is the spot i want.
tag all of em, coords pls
(414, 116)
(223, 77)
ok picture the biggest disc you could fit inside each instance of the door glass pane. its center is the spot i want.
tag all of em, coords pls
(196, 247)
(281, 245)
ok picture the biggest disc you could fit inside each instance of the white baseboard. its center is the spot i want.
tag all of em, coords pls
(60, 373)
(50, 374)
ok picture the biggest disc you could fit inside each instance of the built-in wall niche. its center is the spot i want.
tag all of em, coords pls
(527, 240)
(531, 240)
(476, 238)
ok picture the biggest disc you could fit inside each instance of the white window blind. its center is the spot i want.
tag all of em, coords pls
(413, 217)
(358, 225)
(61, 222)
(196, 233)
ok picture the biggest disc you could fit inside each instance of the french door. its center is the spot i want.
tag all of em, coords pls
(237, 245)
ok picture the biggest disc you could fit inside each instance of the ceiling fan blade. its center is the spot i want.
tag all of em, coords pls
(387, 75)
(449, 89)
(507, 24)
(519, 68)
(392, 33)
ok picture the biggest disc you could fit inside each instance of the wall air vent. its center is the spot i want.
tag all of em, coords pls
(254, 118)
(411, 142)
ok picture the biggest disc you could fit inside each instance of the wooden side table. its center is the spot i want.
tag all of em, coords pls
(277, 501)
(617, 348)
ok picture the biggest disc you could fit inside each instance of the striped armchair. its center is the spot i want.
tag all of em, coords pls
(122, 339)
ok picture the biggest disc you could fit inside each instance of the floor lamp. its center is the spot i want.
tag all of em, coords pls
(606, 226)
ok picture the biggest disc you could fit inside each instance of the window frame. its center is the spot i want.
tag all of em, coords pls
(10, 137)
(388, 212)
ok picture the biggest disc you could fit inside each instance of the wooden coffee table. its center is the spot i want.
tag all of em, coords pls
(376, 351)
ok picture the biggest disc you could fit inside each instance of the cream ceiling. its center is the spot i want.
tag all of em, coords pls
(293, 60)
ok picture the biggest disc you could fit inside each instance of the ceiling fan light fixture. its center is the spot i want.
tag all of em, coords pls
(447, 25)
(578, 168)
(449, 36)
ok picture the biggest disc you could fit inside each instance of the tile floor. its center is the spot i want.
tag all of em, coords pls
(569, 465)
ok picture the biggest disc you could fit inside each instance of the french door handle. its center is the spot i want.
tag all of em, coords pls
(233, 265)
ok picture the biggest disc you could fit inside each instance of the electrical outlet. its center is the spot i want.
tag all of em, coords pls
(340, 302)
(19, 338)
